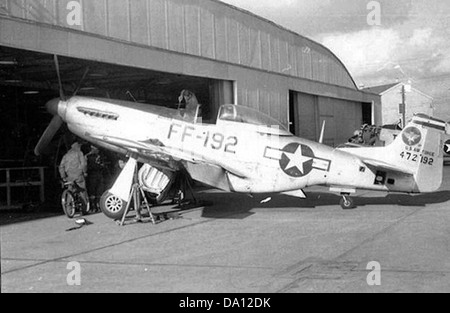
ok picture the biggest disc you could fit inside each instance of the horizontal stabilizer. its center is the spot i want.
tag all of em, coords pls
(379, 165)
(429, 122)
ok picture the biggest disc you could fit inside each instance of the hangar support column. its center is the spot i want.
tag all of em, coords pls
(221, 92)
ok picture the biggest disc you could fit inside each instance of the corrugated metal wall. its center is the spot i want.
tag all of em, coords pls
(342, 118)
(264, 61)
(203, 28)
(306, 111)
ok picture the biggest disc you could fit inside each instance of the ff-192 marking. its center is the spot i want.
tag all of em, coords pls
(215, 141)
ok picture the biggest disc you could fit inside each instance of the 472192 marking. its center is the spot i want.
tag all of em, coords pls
(413, 157)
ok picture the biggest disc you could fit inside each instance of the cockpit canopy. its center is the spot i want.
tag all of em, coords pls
(240, 114)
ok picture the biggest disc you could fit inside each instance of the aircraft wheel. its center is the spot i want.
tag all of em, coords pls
(68, 203)
(347, 203)
(112, 206)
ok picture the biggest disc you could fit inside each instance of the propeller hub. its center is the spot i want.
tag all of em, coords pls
(52, 106)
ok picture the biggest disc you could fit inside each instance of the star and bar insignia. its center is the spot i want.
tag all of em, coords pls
(297, 160)
(447, 147)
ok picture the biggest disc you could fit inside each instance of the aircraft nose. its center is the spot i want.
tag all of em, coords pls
(57, 107)
(52, 106)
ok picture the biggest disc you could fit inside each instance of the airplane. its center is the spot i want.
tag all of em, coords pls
(246, 151)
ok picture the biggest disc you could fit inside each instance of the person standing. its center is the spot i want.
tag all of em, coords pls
(95, 179)
(192, 110)
(73, 168)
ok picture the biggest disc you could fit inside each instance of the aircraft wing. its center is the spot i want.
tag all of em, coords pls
(379, 165)
(198, 159)
(155, 149)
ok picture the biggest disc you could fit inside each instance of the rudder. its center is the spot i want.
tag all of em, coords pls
(419, 149)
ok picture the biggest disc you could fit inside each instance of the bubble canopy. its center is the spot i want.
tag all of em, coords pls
(245, 115)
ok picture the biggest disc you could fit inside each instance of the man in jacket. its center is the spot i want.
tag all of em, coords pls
(95, 180)
(73, 168)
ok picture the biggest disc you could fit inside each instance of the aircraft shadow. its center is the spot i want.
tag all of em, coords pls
(240, 206)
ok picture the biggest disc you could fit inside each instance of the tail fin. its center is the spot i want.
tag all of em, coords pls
(419, 148)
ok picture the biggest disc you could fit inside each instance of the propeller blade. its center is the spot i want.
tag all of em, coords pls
(61, 89)
(86, 72)
(52, 108)
(48, 135)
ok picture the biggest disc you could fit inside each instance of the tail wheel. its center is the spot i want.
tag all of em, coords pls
(68, 203)
(347, 203)
(112, 206)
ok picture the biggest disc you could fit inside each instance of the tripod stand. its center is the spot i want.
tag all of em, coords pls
(135, 196)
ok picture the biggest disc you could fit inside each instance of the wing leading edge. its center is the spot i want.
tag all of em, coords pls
(163, 153)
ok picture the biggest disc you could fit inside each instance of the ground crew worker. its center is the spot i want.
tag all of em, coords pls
(192, 106)
(73, 168)
(95, 179)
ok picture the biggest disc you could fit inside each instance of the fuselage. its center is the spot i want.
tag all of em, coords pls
(266, 161)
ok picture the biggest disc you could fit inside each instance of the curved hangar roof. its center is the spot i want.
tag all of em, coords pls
(204, 28)
(274, 48)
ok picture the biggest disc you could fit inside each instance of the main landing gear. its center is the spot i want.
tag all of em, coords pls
(347, 203)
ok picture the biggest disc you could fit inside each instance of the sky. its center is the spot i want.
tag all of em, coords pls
(408, 41)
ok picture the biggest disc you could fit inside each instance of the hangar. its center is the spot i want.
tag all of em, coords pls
(150, 50)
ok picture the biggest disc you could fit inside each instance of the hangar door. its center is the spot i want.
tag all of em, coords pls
(308, 112)
(303, 115)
